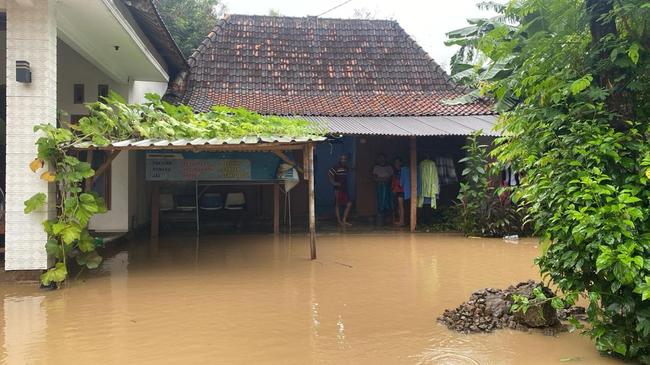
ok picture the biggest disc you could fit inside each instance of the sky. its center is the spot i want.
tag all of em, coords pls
(425, 21)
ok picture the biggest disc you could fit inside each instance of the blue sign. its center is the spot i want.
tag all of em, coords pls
(211, 166)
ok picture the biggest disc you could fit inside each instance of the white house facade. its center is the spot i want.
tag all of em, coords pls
(74, 51)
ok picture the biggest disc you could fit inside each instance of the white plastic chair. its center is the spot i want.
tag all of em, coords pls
(235, 201)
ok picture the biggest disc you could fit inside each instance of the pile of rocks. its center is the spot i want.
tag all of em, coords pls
(489, 309)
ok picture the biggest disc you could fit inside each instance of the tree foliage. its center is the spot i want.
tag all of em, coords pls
(190, 21)
(471, 66)
(114, 120)
(579, 72)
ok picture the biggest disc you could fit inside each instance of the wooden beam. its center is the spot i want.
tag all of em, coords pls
(105, 165)
(312, 203)
(276, 208)
(89, 160)
(414, 182)
(305, 163)
(286, 159)
(155, 209)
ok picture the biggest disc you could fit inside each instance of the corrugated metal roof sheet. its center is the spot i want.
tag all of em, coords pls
(408, 126)
(161, 143)
(381, 126)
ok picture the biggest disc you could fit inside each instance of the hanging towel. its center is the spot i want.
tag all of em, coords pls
(429, 182)
(446, 170)
(405, 181)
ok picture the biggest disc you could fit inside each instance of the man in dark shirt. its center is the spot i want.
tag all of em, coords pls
(338, 176)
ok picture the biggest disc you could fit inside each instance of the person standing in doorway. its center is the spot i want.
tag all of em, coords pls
(398, 191)
(338, 176)
(382, 173)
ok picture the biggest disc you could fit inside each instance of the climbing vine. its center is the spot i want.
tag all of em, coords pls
(112, 119)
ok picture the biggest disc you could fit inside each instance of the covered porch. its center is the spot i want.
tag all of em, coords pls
(411, 139)
(205, 163)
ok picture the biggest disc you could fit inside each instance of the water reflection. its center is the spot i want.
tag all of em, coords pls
(257, 299)
(25, 325)
(340, 334)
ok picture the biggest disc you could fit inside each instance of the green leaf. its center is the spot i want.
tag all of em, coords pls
(620, 348)
(91, 260)
(70, 233)
(53, 249)
(575, 323)
(57, 274)
(37, 201)
(604, 260)
(86, 242)
(633, 53)
(581, 84)
(557, 303)
(58, 227)
(47, 226)
(644, 289)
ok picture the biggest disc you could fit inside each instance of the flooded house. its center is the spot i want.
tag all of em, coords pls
(366, 82)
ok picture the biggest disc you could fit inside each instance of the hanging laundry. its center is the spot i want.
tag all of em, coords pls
(446, 170)
(405, 181)
(429, 182)
(509, 177)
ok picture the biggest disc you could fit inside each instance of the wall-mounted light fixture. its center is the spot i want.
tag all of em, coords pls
(23, 72)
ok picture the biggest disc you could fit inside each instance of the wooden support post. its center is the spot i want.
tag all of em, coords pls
(312, 203)
(305, 163)
(414, 183)
(89, 160)
(155, 209)
(276, 208)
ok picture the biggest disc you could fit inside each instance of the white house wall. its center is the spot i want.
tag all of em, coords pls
(3, 75)
(139, 191)
(74, 69)
(125, 181)
(31, 36)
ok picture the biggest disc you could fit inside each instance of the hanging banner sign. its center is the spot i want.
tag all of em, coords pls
(210, 166)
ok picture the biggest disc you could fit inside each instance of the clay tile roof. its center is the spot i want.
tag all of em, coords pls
(146, 14)
(315, 66)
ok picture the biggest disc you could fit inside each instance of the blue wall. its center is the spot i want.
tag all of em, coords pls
(327, 156)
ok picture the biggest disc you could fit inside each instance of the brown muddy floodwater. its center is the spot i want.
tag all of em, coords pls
(368, 299)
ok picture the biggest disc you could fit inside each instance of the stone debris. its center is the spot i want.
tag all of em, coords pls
(489, 309)
(579, 313)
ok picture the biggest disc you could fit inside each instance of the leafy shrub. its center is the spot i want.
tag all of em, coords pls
(485, 208)
(578, 73)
